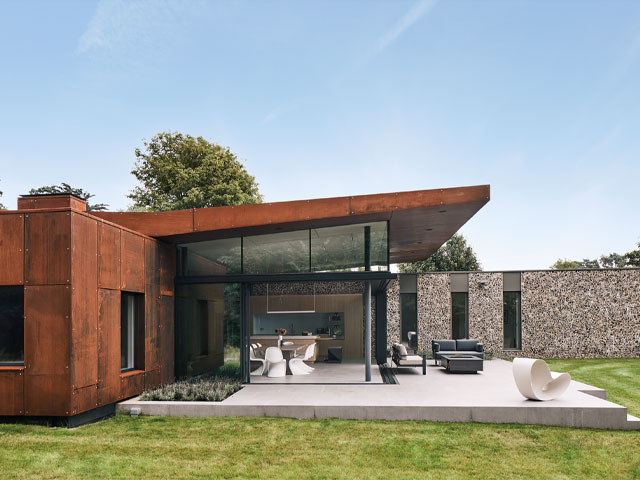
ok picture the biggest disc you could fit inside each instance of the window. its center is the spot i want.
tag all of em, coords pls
(287, 252)
(512, 321)
(409, 318)
(327, 249)
(12, 325)
(203, 324)
(459, 315)
(132, 332)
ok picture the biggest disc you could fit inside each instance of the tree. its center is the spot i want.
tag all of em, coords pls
(66, 188)
(179, 172)
(633, 257)
(453, 256)
(613, 260)
(2, 207)
(565, 264)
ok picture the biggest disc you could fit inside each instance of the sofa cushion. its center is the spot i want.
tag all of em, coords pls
(466, 345)
(401, 349)
(446, 344)
(411, 360)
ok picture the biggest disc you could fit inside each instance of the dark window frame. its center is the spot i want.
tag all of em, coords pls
(466, 315)
(518, 320)
(18, 290)
(414, 320)
(138, 330)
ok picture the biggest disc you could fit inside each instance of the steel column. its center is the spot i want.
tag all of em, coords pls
(367, 331)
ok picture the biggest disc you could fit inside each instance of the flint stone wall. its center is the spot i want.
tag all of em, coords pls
(565, 313)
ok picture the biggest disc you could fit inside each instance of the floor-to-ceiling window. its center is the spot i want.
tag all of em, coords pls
(409, 310)
(512, 321)
(208, 329)
(459, 315)
(512, 315)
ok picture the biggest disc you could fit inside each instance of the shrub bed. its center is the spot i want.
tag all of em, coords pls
(210, 387)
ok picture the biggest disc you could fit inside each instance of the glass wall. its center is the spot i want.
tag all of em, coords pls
(215, 257)
(286, 252)
(208, 330)
(512, 321)
(331, 249)
(459, 315)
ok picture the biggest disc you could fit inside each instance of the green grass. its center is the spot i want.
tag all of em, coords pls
(255, 448)
(620, 377)
(156, 447)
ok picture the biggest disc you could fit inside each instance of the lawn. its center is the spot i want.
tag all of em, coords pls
(156, 447)
(620, 377)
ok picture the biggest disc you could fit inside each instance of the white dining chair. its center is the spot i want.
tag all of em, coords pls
(276, 364)
(536, 382)
(253, 358)
(297, 365)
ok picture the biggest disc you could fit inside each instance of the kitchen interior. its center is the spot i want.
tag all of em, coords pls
(333, 322)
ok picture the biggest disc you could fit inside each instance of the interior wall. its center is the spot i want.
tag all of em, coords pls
(350, 304)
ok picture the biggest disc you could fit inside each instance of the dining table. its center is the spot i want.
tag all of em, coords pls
(290, 351)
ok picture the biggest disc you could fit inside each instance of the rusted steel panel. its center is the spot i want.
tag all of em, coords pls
(11, 391)
(152, 379)
(47, 353)
(153, 224)
(132, 262)
(108, 256)
(167, 267)
(84, 399)
(108, 346)
(33, 202)
(84, 301)
(167, 355)
(131, 384)
(152, 307)
(47, 395)
(240, 216)
(48, 248)
(12, 249)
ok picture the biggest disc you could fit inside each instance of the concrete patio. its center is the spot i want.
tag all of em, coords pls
(488, 397)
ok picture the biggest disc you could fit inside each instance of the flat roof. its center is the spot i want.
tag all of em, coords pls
(419, 221)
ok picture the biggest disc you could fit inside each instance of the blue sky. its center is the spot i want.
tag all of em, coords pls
(539, 99)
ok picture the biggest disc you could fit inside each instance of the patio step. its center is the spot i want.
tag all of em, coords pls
(633, 423)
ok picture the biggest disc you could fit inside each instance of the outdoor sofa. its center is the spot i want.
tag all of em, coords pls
(463, 346)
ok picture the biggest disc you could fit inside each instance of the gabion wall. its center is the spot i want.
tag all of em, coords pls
(565, 313)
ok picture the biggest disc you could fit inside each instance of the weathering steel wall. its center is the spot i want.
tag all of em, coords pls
(74, 267)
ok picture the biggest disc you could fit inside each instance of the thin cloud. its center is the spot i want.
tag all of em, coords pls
(131, 25)
(415, 13)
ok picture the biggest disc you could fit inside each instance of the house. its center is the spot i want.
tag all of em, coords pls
(96, 307)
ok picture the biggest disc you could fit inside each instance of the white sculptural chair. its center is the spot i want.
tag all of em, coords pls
(536, 382)
(276, 364)
(297, 365)
(254, 358)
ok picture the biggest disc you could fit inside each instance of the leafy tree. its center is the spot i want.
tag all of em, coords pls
(633, 257)
(565, 264)
(453, 256)
(613, 260)
(180, 171)
(66, 188)
(2, 207)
